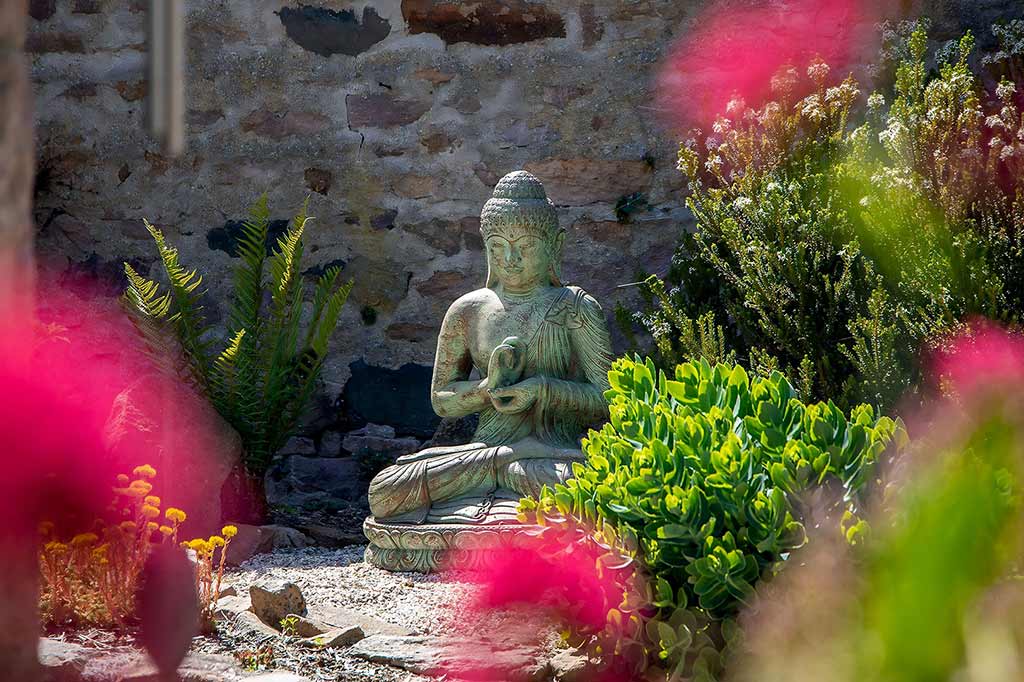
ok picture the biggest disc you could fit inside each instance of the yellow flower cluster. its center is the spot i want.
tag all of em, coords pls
(176, 515)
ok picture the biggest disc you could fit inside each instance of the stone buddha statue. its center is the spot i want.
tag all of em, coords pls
(542, 353)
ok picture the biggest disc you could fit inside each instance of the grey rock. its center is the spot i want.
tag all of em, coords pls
(334, 639)
(330, 444)
(253, 540)
(273, 601)
(457, 659)
(299, 481)
(378, 441)
(306, 627)
(569, 665)
(229, 607)
(329, 536)
(61, 659)
(228, 591)
(299, 445)
(249, 625)
(278, 676)
(133, 665)
(342, 618)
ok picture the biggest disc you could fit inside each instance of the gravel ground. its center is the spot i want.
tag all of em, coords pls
(427, 604)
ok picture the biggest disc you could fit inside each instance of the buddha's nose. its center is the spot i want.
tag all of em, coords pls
(514, 256)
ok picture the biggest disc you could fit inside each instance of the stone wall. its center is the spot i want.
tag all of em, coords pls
(396, 117)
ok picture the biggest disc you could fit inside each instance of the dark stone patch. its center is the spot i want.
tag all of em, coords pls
(132, 91)
(319, 269)
(107, 277)
(280, 124)
(399, 398)
(412, 332)
(382, 110)
(445, 282)
(41, 10)
(124, 172)
(491, 22)
(226, 238)
(87, 7)
(385, 220)
(80, 91)
(327, 32)
(201, 118)
(319, 180)
(42, 43)
(368, 314)
(593, 25)
(381, 152)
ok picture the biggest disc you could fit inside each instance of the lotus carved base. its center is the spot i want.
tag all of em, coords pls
(429, 548)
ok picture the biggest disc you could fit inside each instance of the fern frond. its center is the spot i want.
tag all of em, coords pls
(142, 295)
(252, 249)
(332, 311)
(149, 314)
(187, 313)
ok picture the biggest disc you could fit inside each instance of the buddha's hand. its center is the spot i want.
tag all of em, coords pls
(517, 397)
(507, 362)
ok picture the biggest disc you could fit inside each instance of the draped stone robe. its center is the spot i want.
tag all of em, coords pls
(513, 455)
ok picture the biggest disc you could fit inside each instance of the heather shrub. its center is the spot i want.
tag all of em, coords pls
(838, 236)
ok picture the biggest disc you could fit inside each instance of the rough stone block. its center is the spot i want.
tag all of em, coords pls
(273, 601)
(383, 110)
(581, 181)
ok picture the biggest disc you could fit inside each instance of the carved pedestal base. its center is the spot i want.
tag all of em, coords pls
(429, 548)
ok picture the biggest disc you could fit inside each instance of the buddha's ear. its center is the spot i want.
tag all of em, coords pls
(555, 267)
(559, 242)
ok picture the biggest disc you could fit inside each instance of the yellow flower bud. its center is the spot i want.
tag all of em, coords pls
(144, 471)
(139, 488)
(55, 547)
(122, 480)
(150, 512)
(176, 515)
(216, 541)
(83, 539)
(153, 500)
(128, 526)
(151, 526)
(166, 530)
(229, 532)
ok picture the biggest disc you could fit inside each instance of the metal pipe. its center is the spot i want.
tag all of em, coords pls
(167, 74)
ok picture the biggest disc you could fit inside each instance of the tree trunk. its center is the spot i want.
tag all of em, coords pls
(19, 580)
(243, 498)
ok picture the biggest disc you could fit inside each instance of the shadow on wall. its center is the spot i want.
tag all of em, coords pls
(399, 398)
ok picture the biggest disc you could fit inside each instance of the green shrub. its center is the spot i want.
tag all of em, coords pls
(835, 241)
(262, 379)
(705, 478)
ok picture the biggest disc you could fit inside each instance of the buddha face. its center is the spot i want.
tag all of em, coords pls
(520, 260)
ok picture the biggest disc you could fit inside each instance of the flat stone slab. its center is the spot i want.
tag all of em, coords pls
(67, 662)
(455, 658)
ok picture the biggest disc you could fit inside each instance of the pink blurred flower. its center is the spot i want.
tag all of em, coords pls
(734, 52)
(551, 583)
(983, 358)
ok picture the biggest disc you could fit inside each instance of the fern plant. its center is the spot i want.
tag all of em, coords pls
(263, 377)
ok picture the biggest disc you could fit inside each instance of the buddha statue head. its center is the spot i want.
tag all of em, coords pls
(521, 235)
